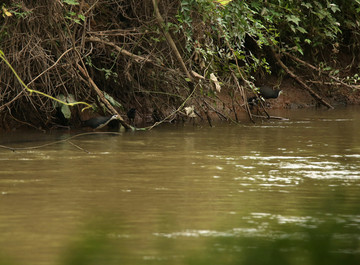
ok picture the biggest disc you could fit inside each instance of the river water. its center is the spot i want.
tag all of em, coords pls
(276, 192)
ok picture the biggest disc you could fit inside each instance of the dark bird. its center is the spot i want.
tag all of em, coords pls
(99, 122)
(131, 115)
(156, 115)
(264, 92)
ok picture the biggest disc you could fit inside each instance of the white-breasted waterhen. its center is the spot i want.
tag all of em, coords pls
(264, 92)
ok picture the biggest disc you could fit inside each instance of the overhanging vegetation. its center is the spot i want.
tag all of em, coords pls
(163, 56)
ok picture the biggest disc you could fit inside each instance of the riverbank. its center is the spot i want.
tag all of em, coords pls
(171, 61)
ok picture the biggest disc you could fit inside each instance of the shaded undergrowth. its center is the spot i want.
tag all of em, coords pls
(118, 55)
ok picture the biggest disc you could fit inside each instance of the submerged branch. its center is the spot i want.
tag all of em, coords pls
(57, 142)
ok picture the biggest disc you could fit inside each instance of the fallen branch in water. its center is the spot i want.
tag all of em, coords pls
(271, 117)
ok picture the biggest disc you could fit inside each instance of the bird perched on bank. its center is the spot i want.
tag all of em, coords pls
(264, 92)
(131, 115)
(100, 122)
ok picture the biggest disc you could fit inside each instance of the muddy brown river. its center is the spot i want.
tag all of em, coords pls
(274, 192)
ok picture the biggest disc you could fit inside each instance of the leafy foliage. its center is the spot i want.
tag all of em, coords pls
(219, 35)
(128, 56)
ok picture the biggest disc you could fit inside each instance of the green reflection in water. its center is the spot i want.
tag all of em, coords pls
(328, 243)
(281, 240)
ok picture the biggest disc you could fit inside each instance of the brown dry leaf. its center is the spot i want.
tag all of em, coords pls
(216, 82)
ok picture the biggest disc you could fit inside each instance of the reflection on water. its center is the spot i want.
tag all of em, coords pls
(269, 193)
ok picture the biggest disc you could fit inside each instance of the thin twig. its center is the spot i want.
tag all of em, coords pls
(78, 147)
(46, 70)
(295, 77)
(322, 72)
(173, 113)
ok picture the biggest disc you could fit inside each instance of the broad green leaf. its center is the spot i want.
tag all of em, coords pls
(70, 98)
(334, 8)
(112, 100)
(293, 19)
(71, 2)
(307, 5)
(65, 109)
(223, 2)
(301, 29)
(82, 17)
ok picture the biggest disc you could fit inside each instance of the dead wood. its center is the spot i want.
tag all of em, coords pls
(337, 80)
(135, 57)
(102, 97)
(298, 79)
(170, 41)
(244, 97)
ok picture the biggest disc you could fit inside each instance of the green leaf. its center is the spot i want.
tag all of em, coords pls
(112, 100)
(334, 8)
(293, 19)
(293, 28)
(224, 2)
(70, 98)
(307, 5)
(71, 2)
(82, 17)
(59, 97)
(65, 109)
(301, 29)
